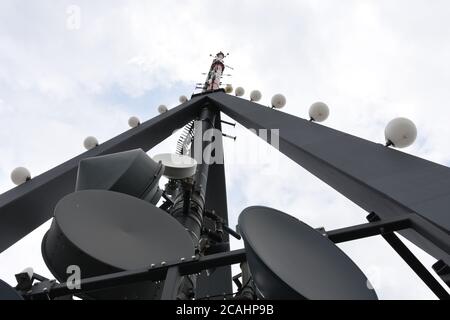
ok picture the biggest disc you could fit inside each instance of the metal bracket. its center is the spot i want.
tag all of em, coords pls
(443, 270)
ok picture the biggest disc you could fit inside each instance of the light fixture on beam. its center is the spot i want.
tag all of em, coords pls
(20, 175)
(162, 109)
(134, 122)
(255, 95)
(228, 88)
(90, 143)
(278, 101)
(239, 92)
(319, 112)
(183, 99)
(400, 133)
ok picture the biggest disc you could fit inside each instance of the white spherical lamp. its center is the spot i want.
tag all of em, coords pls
(255, 95)
(90, 143)
(183, 99)
(400, 133)
(162, 109)
(239, 92)
(319, 112)
(134, 122)
(20, 175)
(228, 88)
(278, 101)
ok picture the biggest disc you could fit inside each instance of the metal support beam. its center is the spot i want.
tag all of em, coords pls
(27, 206)
(368, 229)
(385, 228)
(377, 178)
(412, 261)
(443, 270)
(158, 273)
(171, 284)
(425, 228)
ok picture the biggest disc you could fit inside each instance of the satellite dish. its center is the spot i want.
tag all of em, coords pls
(8, 293)
(177, 166)
(132, 172)
(290, 260)
(104, 232)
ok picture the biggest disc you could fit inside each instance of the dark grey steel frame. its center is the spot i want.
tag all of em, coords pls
(400, 188)
(171, 273)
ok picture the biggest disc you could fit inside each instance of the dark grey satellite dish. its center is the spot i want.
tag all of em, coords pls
(132, 172)
(290, 260)
(104, 232)
(8, 293)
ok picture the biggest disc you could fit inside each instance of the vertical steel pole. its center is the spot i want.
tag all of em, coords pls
(189, 205)
(171, 284)
(220, 281)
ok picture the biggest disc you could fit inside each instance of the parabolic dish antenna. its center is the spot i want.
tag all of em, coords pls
(132, 172)
(177, 166)
(290, 260)
(104, 232)
(8, 293)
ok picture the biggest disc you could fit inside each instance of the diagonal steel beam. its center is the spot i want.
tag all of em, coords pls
(414, 263)
(378, 179)
(27, 206)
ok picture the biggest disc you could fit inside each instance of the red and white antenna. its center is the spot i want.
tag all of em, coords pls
(214, 76)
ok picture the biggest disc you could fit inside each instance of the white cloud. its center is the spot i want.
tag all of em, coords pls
(369, 60)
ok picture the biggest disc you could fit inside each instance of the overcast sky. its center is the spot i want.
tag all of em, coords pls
(69, 69)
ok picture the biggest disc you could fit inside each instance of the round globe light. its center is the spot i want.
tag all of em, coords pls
(278, 101)
(255, 95)
(90, 143)
(239, 92)
(400, 132)
(319, 112)
(134, 122)
(20, 175)
(228, 88)
(162, 109)
(183, 99)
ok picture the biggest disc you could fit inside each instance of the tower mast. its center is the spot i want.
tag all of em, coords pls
(215, 73)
